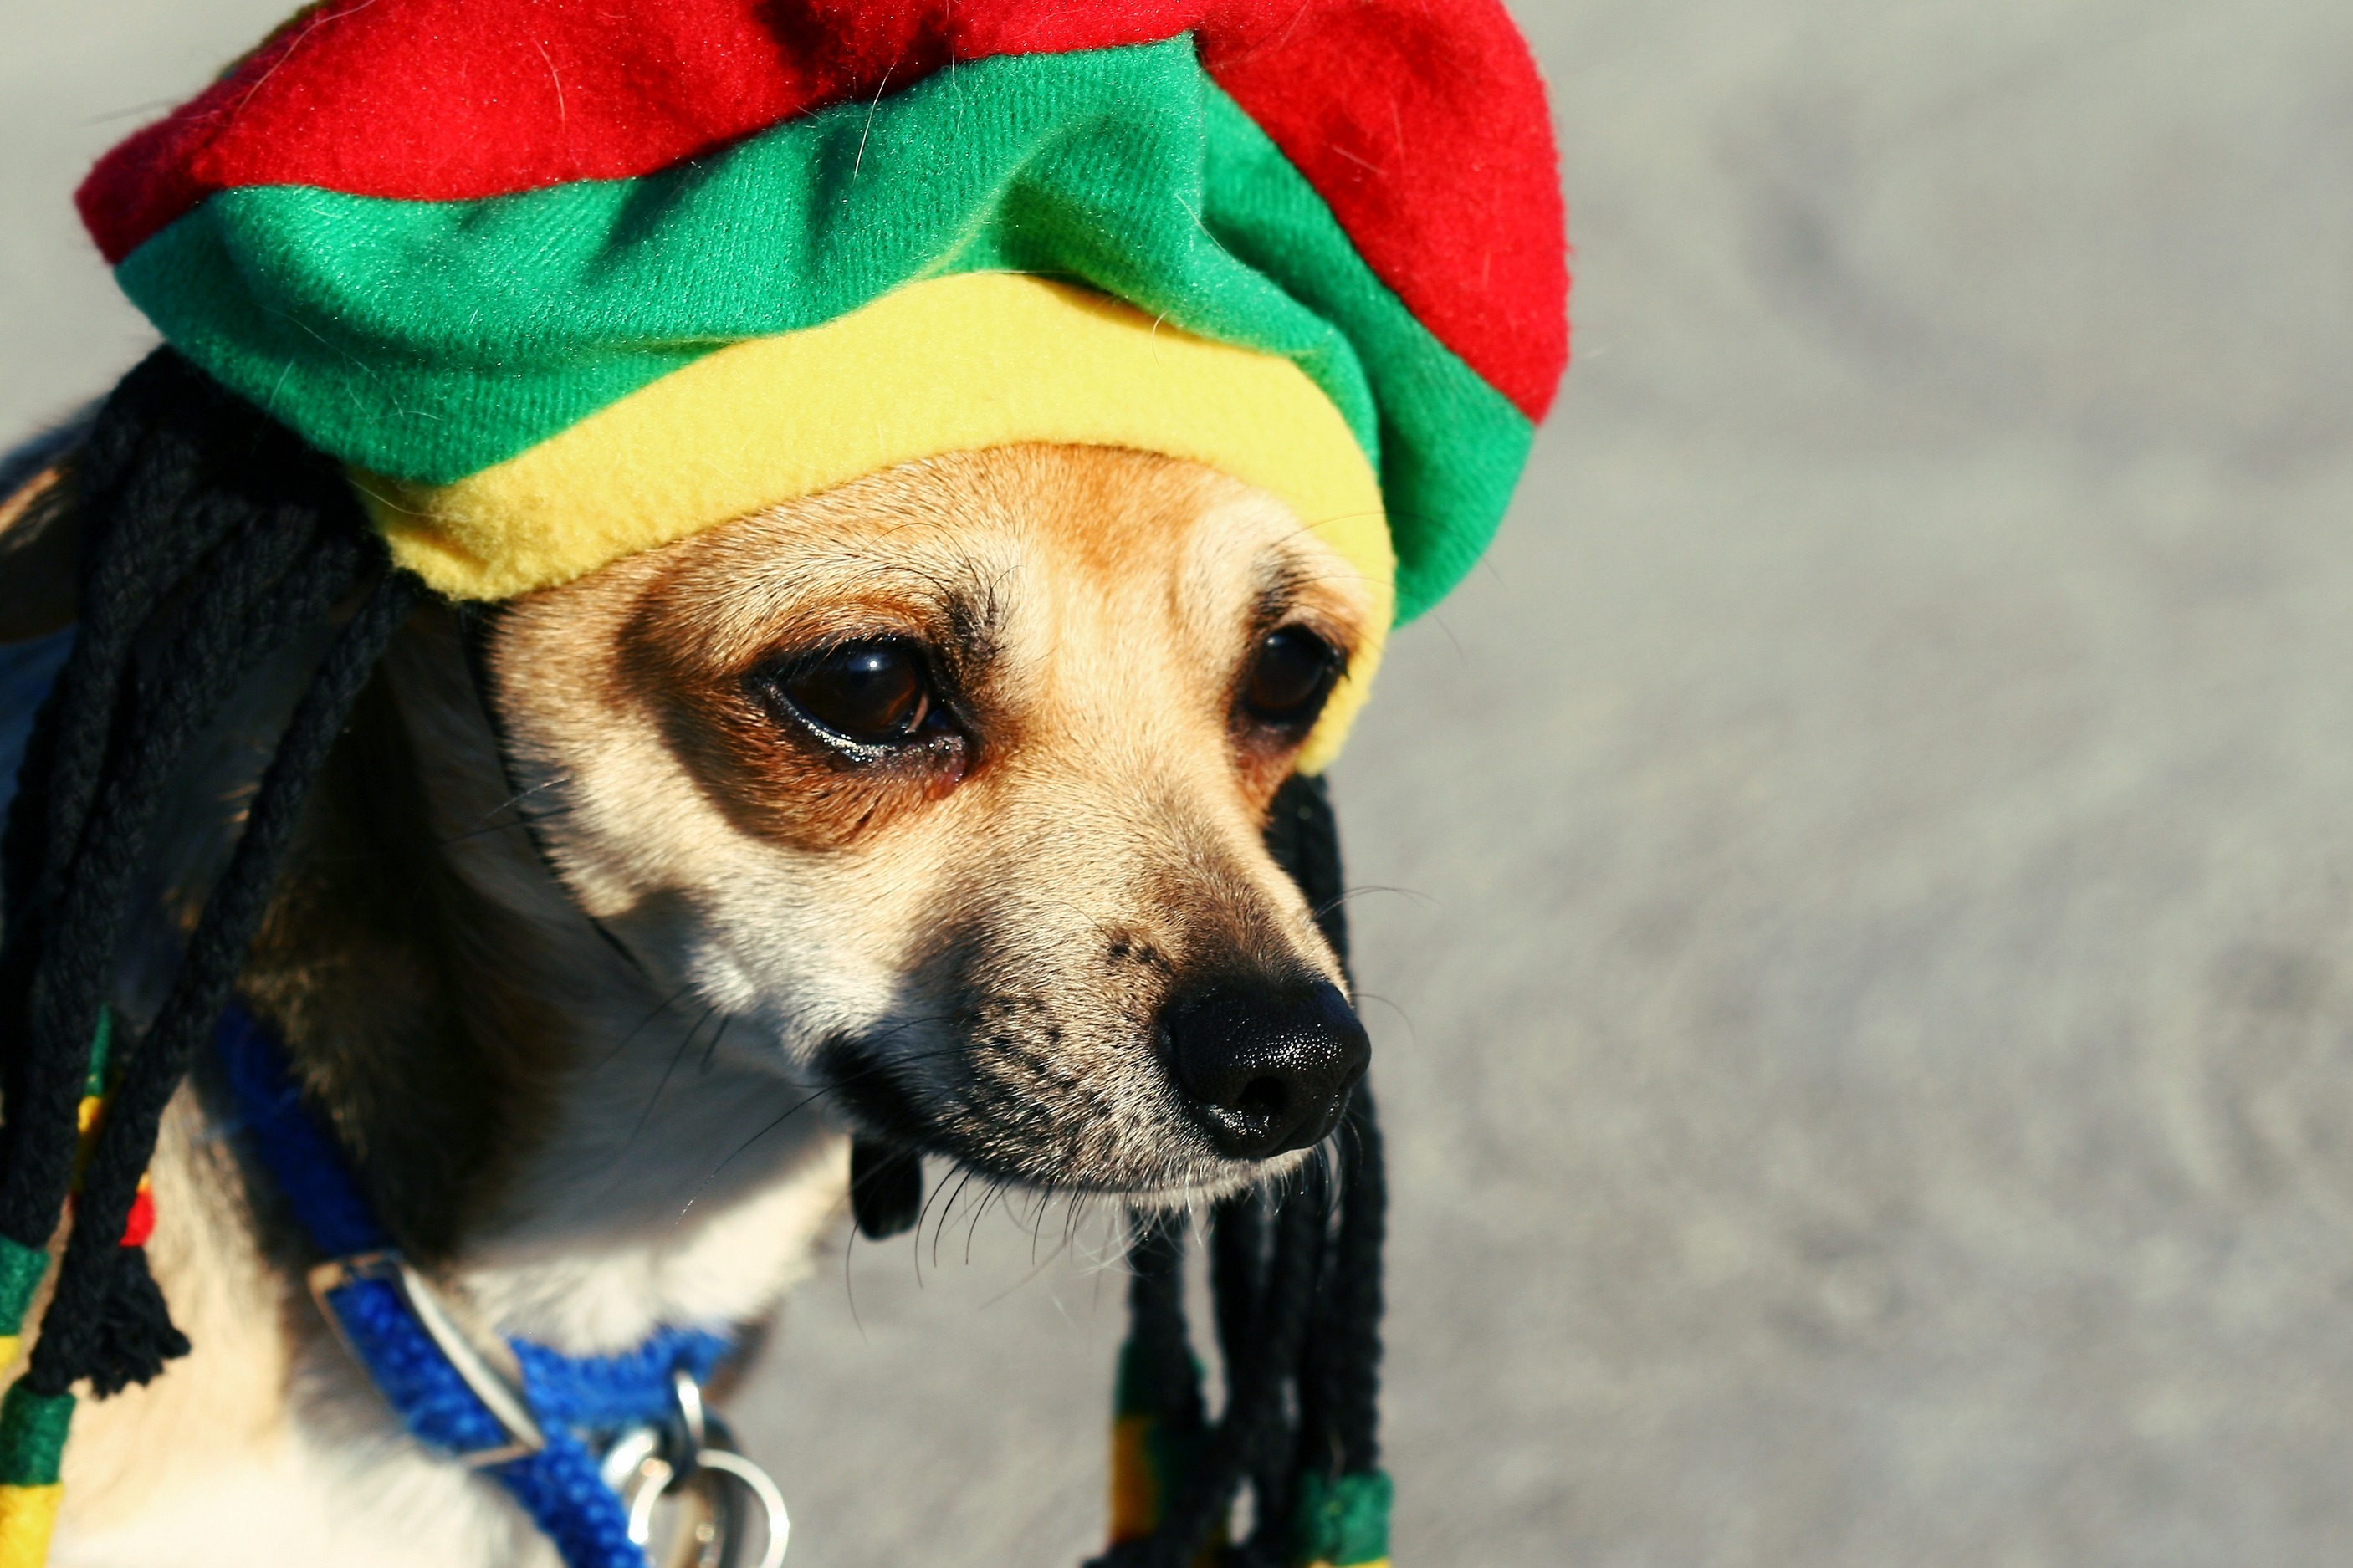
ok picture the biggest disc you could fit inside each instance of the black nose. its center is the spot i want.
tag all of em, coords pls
(1266, 1067)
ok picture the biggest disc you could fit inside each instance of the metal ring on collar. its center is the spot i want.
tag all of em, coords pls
(695, 1450)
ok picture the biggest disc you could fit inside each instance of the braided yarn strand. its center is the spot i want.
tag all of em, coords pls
(213, 541)
(103, 1329)
(127, 551)
(174, 469)
(210, 638)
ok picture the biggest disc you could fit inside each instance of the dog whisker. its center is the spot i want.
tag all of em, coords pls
(522, 821)
(849, 1281)
(787, 1114)
(639, 1026)
(947, 1210)
(515, 800)
(676, 1056)
(1351, 895)
(711, 1051)
(996, 1193)
(1403, 1017)
(1038, 1269)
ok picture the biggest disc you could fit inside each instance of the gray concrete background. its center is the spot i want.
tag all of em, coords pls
(1859, 890)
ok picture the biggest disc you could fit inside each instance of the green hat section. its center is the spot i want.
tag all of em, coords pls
(426, 341)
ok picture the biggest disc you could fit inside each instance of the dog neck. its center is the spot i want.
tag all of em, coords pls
(560, 1135)
(562, 1129)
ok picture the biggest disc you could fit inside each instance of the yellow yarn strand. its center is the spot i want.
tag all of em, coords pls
(1134, 1489)
(27, 1516)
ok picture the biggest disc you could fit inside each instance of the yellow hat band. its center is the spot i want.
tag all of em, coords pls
(953, 364)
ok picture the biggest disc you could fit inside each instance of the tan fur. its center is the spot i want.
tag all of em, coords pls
(592, 993)
(225, 1407)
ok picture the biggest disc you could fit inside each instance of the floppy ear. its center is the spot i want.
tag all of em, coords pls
(38, 527)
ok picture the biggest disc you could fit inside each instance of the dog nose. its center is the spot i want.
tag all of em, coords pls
(1264, 1068)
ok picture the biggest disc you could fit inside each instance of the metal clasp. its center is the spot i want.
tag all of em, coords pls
(693, 1452)
(500, 1392)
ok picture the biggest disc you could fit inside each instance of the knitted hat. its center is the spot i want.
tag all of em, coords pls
(562, 282)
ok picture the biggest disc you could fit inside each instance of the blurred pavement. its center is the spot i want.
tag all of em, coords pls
(1859, 891)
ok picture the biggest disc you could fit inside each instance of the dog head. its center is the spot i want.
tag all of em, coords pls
(953, 782)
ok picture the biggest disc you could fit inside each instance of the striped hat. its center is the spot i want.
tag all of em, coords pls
(564, 280)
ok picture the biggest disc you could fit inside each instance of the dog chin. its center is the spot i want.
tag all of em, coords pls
(1158, 1160)
(1216, 1179)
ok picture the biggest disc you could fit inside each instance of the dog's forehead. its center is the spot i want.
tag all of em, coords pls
(1006, 542)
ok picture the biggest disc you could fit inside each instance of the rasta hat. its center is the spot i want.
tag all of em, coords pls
(473, 297)
(561, 282)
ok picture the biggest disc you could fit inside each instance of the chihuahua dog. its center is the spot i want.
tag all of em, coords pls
(928, 810)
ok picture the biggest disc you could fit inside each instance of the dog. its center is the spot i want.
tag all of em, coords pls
(929, 809)
(793, 566)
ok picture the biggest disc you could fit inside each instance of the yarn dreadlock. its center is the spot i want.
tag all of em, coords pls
(212, 540)
(1296, 1282)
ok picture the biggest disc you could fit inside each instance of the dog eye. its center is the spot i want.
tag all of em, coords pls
(1292, 673)
(874, 693)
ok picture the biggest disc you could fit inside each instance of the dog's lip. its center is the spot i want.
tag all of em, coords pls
(868, 1092)
(865, 1091)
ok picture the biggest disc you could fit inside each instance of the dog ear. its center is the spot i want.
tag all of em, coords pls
(39, 526)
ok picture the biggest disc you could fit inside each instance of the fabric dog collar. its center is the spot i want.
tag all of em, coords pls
(531, 1432)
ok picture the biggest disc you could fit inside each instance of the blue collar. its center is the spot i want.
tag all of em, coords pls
(538, 1434)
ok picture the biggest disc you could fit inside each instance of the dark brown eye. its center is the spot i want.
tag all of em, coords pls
(873, 693)
(1289, 677)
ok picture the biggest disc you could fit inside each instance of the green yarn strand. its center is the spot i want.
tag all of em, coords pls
(33, 1436)
(102, 1046)
(22, 1269)
(1343, 1519)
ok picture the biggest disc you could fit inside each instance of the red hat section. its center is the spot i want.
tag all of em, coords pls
(1422, 124)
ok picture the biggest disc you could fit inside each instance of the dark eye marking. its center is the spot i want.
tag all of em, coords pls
(1291, 673)
(869, 694)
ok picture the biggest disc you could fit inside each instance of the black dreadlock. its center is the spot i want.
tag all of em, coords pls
(1296, 1279)
(212, 540)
